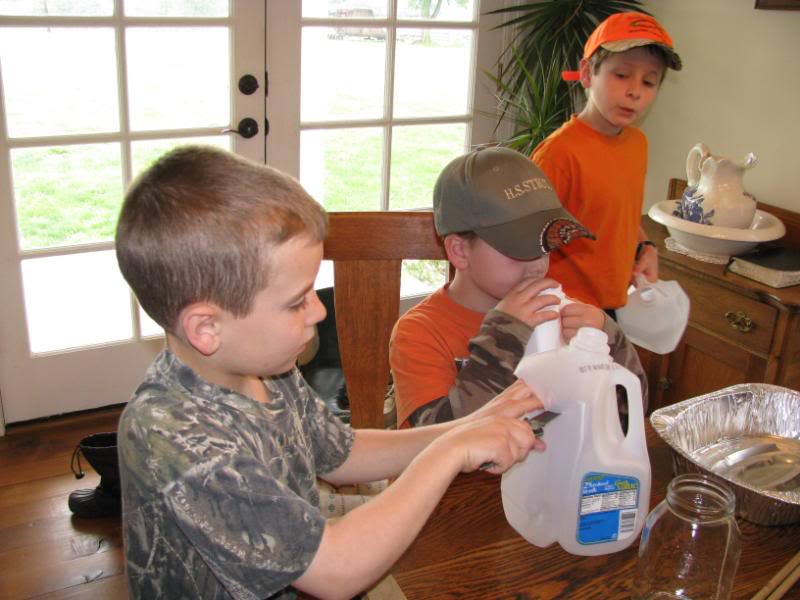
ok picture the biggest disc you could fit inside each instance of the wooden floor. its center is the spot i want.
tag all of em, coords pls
(44, 551)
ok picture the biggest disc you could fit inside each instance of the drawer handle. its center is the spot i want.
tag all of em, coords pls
(739, 321)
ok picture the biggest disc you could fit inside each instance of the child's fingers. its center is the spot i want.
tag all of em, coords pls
(516, 400)
(574, 316)
(519, 391)
(537, 317)
(528, 289)
(520, 441)
(533, 286)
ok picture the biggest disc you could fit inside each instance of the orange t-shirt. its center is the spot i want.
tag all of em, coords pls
(426, 342)
(600, 181)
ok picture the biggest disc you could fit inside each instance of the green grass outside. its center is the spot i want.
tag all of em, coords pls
(57, 204)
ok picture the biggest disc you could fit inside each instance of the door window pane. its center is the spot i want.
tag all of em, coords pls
(185, 87)
(66, 194)
(176, 8)
(45, 94)
(431, 78)
(444, 10)
(145, 153)
(148, 327)
(341, 168)
(75, 300)
(419, 153)
(343, 74)
(39, 8)
(346, 9)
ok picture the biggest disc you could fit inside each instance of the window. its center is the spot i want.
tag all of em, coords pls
(390, 92)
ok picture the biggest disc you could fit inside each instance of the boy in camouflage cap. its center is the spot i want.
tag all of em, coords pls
(500, 219)
(220, 447)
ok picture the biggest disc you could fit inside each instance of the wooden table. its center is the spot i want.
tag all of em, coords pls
(467, 550)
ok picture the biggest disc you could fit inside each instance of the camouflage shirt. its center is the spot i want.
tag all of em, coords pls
(493, 356)
(219, 497)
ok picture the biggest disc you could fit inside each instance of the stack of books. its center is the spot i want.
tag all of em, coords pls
(775, 267)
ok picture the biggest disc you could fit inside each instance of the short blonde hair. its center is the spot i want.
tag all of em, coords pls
(199, 225)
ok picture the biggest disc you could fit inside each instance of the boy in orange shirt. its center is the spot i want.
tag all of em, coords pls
(597, 160)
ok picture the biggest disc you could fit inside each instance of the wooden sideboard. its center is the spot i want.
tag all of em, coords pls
(713, 352)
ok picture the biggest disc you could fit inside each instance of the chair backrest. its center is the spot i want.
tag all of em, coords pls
(367, 249)
(676, 188)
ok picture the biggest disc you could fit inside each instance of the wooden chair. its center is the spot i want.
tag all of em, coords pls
(675, 188)
(367, 249)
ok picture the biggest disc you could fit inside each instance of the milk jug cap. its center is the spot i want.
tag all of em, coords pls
(647, 295)
(590, 339)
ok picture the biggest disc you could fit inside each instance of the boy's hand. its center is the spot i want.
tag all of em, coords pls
(513, 402)
(524, 302)
(577, 315)
(647, 265)
(500, 441)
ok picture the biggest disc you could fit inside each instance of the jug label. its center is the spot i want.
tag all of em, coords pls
(608, 508)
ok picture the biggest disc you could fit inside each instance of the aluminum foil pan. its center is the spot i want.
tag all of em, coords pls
(747, 434)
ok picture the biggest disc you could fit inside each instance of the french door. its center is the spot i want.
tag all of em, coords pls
(92, 92)
(366, 101)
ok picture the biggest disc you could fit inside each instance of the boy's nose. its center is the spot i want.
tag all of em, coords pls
(635, 89)
(317, 312)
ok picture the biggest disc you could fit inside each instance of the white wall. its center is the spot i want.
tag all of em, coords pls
(738, 92)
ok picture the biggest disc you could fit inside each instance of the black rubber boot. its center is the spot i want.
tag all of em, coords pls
(100, 450)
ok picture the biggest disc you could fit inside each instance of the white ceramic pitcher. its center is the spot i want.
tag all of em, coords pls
(715, 195)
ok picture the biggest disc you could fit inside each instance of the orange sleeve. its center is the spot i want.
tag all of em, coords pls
(423, 369)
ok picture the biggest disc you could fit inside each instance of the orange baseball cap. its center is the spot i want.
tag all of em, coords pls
(626, 30)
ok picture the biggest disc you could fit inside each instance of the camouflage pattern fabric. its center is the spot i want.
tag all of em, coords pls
(494, 354)
(219, 495)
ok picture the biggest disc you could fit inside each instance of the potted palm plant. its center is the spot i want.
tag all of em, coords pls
(548, 38)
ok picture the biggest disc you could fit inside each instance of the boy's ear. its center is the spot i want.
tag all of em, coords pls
(585, 71)
(457, 249)
(201, 325)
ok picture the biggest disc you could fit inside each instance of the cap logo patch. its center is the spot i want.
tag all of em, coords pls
(529, 185)
(647, 25)
(560, 232)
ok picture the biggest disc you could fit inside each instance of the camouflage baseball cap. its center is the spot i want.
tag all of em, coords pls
(506, 200)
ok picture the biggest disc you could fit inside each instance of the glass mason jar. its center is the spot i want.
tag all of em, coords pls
(690, 546)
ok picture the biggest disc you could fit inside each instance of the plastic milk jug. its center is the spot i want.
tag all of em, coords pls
(655, 315)
(590, 488)
(547, 336)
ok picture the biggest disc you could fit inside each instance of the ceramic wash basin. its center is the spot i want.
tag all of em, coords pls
(714, 240)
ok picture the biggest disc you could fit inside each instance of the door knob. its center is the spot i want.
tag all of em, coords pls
(247, 128)
(248, 84)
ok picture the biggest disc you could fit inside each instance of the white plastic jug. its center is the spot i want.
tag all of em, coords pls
(590, 489)
(547, 336)
(655, 315)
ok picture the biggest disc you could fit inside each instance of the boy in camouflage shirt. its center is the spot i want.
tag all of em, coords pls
(454, 351)
(221, 445)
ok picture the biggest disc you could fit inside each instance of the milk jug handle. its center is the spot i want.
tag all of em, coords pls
(635, 438)
(643, 284)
